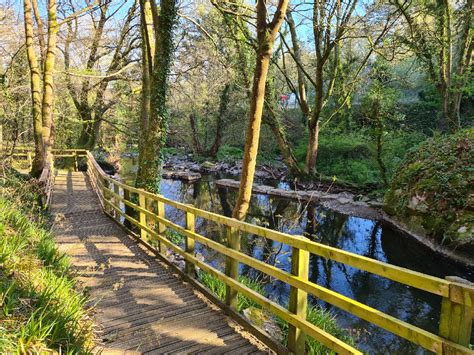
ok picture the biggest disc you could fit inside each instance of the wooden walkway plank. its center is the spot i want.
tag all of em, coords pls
(141, 306)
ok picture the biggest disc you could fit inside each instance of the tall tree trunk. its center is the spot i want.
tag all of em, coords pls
(223, 104)
(35, 78)
(48, 90)
(149, 169)
(196, 141)
(266, 34)
(312, 149)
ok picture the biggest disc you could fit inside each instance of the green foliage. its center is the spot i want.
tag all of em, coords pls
(326, 321)
(174, 237)
(229, 154)
(434, 184)
(41, 310)
(40, 307)
(351, 157)
(217, 287)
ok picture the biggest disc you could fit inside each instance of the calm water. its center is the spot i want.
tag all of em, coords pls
(358, 235)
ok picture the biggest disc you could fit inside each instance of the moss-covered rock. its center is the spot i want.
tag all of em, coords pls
(432, 192)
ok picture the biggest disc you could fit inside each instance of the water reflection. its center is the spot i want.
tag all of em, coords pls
(361, 236)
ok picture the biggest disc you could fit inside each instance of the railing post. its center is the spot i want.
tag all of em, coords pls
(142, 216)
(457, 312)
(116, 201)
(126, 197)
(298, 302)
(232, 266)
(76, 166)
(189, 247)
(160, 209)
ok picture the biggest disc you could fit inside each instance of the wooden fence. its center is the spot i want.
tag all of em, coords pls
(146, 211)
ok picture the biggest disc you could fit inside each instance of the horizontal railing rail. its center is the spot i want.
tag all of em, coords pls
(457, 296)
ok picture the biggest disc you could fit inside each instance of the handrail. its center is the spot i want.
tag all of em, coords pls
(457, 296)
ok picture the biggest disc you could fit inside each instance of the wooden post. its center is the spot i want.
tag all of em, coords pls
(126, 196)
(232, 266)
(298, 303)
(76, 166)
(143, 222)
(160, 207)
(457, 312)
(189, 247)
(117, 202)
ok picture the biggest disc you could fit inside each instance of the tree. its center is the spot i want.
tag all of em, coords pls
(157, 64)
(266, 35)
(35, 80)
(440, 34)
(89, 91)
(48, 79)
(332, 24)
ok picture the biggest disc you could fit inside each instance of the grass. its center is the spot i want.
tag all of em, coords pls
(316, 315)
(41, 310)
(217, 287)
(326, 321)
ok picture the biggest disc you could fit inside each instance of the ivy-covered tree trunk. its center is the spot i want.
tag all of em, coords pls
(150, 155)
(35, 79)
(48, 89)
(266, 34)
(223, 104)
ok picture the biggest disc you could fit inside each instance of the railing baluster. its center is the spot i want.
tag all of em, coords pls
(298, 303)
(126, 196)
(189, 247)
(117, 201)
(160, 207)
(232, 266)
(457, 312)
(76, 166)
(143, 220)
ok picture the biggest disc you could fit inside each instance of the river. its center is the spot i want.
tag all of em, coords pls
(361, 236)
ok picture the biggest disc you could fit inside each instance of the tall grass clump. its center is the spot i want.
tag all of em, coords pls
(324, 320)
(41, 308)
(217, 287)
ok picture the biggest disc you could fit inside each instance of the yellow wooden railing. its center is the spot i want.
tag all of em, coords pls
(457, 295)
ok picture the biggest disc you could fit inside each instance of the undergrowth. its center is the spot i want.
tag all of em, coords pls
(41, 310)
(351, 157)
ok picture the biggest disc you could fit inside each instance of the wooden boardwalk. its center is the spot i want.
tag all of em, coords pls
(141, 305)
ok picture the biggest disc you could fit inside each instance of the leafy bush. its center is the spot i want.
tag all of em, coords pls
(351, 156)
